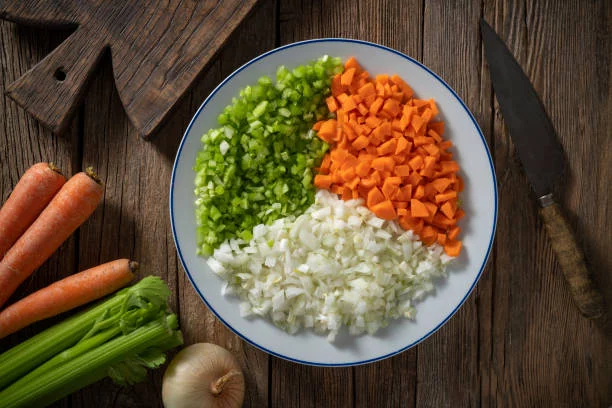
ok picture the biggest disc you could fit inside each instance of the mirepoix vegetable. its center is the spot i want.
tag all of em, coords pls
(387, 148)
(203, 375)
(67, 294)
(69, 208)
(119, 338)
(338, 264)
(30, 196)
(258, 165)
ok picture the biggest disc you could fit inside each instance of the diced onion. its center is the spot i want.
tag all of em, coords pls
(335, 265)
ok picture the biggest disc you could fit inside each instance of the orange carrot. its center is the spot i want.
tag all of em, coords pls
(452, 248)
(30, 196)
(387, 148)
(67, 294)
(384, 210)
(70, 207)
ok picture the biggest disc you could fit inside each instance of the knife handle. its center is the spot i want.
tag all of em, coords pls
(571, 259)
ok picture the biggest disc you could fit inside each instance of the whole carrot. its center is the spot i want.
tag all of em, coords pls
(70, 207)
(66, 294)
(30, 196)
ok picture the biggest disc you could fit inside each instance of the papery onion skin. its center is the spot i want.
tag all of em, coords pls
(203, 375)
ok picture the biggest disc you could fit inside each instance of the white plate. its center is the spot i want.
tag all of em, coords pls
(478, 227)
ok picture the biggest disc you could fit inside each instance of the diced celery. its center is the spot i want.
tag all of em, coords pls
(266, 170)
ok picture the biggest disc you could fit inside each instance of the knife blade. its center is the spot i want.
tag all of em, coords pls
(541, 155)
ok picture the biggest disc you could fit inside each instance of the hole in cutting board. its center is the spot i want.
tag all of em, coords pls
(60, 74)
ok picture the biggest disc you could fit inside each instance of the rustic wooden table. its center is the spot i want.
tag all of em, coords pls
(517, 341)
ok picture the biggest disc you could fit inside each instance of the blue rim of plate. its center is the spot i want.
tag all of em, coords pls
(297, 44)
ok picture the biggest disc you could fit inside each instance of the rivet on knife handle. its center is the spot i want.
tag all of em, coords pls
(571, 259)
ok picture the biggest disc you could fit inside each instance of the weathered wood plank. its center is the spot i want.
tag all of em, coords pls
(448, 362)
(544, 353)
(23, 142)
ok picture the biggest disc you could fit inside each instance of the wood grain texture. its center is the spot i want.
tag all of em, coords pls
(544, 353)
(518, 340)
(158, 49)
(571, 261)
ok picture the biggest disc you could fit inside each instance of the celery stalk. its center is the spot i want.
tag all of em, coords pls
(125, 311)
(56, 379)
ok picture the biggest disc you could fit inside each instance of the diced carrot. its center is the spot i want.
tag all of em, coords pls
(360, 142)
(434, 135)
(387, 148)
(372, 121)
(414, 179)
(376, 105)
(418, 209)
(432, 149)
(459, 184)
(426, 116)
(352, 63)
(362, 169)
(347, 77)
(428, 235)
(431, 207)
(353, 183)
(382, 78)
(367, 90)
(441, 184)
(441, 238)
(437, 127)
(327, 132)
(447, 167)
(392, 108)
(448, 209)
(347, 193)
(440, 198)
(363, 110)
(336, 86)
(382, 131)
(420, 103)
(322, 181)
(403, 170)
(429, 191)
(452, 247)
(433, 107)
(383, 163)
(374, 197)
(453, 233)
(406, 89)
(348, 174)
(405, 193)
(384, 210)
(332, 105)
(419, 192)
(416, 163)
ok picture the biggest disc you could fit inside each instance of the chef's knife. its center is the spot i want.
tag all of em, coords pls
(542, 157)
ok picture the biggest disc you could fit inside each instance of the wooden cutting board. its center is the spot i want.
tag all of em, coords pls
(158, 48)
